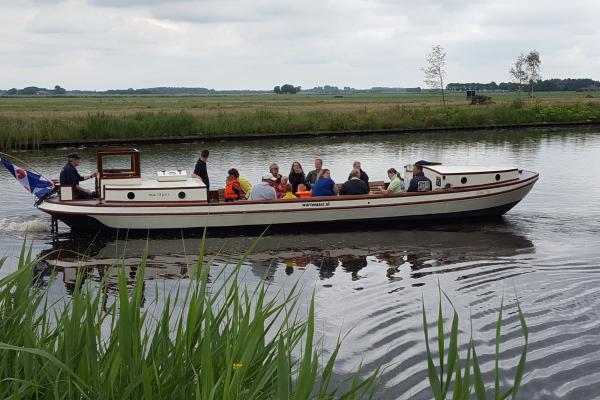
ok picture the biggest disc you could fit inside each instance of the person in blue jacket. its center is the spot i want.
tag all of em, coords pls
(325, 186)
(419, 182)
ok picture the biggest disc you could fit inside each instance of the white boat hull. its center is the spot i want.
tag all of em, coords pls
(487, 200)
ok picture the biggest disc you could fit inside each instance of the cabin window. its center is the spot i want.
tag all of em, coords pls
(117, 164)
(497, 177)
(463, 180)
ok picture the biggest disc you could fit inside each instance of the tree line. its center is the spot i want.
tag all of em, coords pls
(32, 90)
(545, 85)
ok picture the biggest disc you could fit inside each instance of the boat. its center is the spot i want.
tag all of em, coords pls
(174, 200)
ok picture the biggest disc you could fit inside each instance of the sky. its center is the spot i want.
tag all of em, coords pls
(257, 44)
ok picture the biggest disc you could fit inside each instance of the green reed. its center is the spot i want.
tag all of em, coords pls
(457, 379)
(227, 342)
(18, 131)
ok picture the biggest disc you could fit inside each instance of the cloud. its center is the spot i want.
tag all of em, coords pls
(242, 44)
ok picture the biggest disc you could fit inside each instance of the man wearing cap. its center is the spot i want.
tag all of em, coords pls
(70, 176)
(419, 182)
(264, 190)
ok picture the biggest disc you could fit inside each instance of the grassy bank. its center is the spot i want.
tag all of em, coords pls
(27, 129)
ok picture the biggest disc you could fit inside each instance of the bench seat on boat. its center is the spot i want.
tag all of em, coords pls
(218, 196)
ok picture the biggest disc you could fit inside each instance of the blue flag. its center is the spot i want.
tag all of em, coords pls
(32, 182)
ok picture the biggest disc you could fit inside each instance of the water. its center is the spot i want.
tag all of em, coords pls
(545, 250)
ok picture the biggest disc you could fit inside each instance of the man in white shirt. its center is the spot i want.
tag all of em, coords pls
(264, 190)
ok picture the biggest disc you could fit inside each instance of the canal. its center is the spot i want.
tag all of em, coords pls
(546, 250)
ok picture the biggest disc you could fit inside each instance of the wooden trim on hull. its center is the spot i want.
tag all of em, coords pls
(87, 223)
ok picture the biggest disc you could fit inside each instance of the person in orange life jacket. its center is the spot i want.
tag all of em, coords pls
(233, 191)
(244, 183)
(281, 187)
(302, 191)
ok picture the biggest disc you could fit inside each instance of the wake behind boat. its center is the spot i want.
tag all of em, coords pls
(175, 201)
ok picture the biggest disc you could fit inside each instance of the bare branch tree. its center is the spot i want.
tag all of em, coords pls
(435, 72)
(533, 63)
(526, 69)
(518, 72)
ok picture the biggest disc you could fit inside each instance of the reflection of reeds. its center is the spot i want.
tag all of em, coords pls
(27, 130)
(449, 376)
(226, 342)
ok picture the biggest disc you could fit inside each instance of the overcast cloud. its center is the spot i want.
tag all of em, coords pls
(256, 44)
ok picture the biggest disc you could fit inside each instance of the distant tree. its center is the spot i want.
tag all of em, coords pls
(526, 69)
(29, 90)
(518, 71)
(435, 71)
(290, 89)
(59, 90)
(532, 65)
(12, 91)
(277, 89)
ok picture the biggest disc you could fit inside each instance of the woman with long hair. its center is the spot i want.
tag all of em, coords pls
(297, 176)
(396, 182)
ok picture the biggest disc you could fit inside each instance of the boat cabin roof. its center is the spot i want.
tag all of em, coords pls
(464, 170)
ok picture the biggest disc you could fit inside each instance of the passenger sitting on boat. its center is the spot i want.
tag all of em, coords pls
(325, 186)
(289, 194)
(302, 191)
(233, 191)
(244, 183)
(363, 175)
(396, 182)
(274, 170)
(297, 176)
(354, 185)
(200, 170)
(70, 176)
(313, 175)
(263, 190)
(419, 182)
(281, 187)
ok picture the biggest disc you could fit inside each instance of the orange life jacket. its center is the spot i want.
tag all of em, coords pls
(229, 193)
(303, 193)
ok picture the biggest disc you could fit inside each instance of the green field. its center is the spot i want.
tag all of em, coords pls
(25, 122)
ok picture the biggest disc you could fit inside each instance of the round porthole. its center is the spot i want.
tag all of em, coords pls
(497, 177)
(131, 195)
(181, 195)
(463, 180)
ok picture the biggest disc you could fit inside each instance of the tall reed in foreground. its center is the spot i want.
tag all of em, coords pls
(449, 377)
(227, 342)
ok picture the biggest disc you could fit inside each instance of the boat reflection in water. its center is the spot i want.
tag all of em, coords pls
(395, 255)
